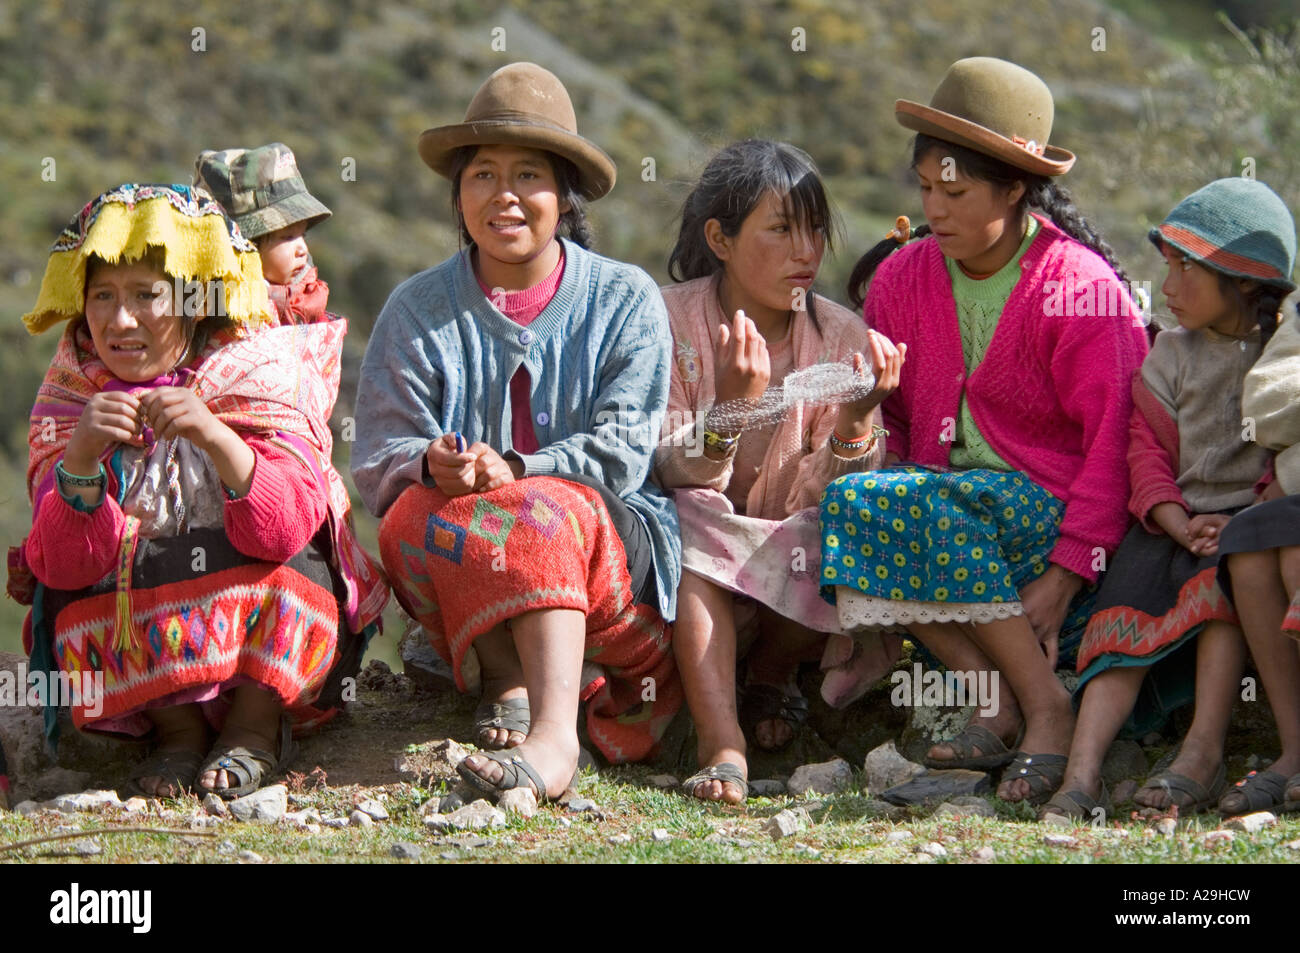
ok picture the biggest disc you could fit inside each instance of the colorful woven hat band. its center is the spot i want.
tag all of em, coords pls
(198, 240)
(1236, 226)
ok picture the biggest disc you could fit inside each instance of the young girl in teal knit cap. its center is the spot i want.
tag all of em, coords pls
(1229, 249)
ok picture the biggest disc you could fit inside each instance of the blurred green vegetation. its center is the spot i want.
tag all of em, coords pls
(114, 91)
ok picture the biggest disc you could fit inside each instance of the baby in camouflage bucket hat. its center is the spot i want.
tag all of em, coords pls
(263, 191)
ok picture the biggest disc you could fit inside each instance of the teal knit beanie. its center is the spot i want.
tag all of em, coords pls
(1237, 226)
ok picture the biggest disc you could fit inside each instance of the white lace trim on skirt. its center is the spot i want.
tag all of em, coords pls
(859, 611)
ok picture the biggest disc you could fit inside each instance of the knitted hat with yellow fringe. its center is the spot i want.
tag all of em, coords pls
(198, 240)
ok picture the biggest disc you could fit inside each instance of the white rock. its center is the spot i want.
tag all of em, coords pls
(619, 839)
(308, 817)
(972, 807)
(660, 834)
(335, 822)
(85, 848)
(226, 847)
(404, 850)
(361, 819)
(1292, 845)
(783, 824)
(825, 778)
(135, 805)
(474, 816)
(249, 857)
(885, 767)
(1252, 823)
(894, 837)
(1166, 826)
(85, 801)
(215, 806)
(984, 855)
(808, 850)
(374, 808)
(1058, 820)
(1059, 840)
(266, 805)
(521, 801)
(1215, 838)
(666, 781)
(26, 807)
(934, 849)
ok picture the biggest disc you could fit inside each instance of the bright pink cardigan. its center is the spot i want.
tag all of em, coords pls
(1052, 395)
(69, 549)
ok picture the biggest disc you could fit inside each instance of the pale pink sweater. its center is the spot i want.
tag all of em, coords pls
(799, 462)
(1052, 395)
(69, 549)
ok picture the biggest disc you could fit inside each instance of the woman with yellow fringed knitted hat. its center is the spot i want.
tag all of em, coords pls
(188, 533)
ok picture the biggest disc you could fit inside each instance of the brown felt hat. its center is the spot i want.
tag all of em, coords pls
(994, 107)
(522, 105)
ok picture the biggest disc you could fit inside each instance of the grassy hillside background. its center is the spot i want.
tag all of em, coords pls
(114, 91)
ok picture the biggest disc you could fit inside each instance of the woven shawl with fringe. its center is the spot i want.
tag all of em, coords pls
(281, 382)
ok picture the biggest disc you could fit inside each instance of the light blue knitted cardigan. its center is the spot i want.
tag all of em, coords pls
(441, 358)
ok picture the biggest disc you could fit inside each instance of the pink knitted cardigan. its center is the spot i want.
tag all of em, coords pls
(799, 461)
(1052, 395)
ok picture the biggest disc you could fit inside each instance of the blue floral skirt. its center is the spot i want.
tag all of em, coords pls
(933, 545)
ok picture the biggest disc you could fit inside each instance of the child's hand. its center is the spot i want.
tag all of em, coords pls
(490, 470)
(178, 412)
(452, 470)
(1203, 533)
(744, 367)
(109, 417)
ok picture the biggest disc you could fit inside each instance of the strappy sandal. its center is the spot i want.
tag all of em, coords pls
(1187, 794)
(975, 736)
(725, 771)
(510, 714)
(1292, 794)
(1076, 805)
(251, 767)
(1044, 772)
(767, 703)
(1257, 791)
(177, 768)
(516, 773)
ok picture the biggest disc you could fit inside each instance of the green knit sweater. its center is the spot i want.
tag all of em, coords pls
(979, 305)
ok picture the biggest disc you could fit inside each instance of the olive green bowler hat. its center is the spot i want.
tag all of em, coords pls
(522, 105)
(997, 108)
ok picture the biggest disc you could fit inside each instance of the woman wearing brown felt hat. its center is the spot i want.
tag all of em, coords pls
(510, 400)
(1022, 342)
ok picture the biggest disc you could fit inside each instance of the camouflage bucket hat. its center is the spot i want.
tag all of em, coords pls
(260, 188)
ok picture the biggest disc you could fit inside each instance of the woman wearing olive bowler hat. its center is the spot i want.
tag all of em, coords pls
(1012, 416)
(509, 404)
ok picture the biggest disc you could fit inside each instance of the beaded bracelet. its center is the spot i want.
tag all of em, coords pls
(713, 441)
(71, 479)
(865, 442)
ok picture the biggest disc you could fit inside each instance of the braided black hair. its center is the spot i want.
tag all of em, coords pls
(1041, 193)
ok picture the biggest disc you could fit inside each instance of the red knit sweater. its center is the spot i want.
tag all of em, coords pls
(69, 549)
(1052, 395)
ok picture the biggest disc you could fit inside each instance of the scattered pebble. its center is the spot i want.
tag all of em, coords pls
(1252, 823)
(807, 850)
(885, 767)
(226, 847)
(249, 857)
(472, 817)
(1058, 820)
(1059, 840)
(335, 822)
(660, 834)
(828, 777)
(662, 781)
(1215, 838)
(215, 806)
(374, 809)
(581, 805)
(267, 805)
(26, 807)
(449, 802)
(1292, 845)
(934, 849)
(135, 805)
(619, 839)
(403, 850)
(784, 824)
(360, 819)
(85, 848)
(894, 837)
(85, 801)
(968, 807)
(1166, 826)
(521, 801)
(984, 855)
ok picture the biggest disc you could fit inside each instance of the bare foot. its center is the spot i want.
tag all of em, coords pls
(554, 759)
(726, 791)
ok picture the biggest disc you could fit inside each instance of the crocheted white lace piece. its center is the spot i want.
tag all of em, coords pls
(860, 611)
